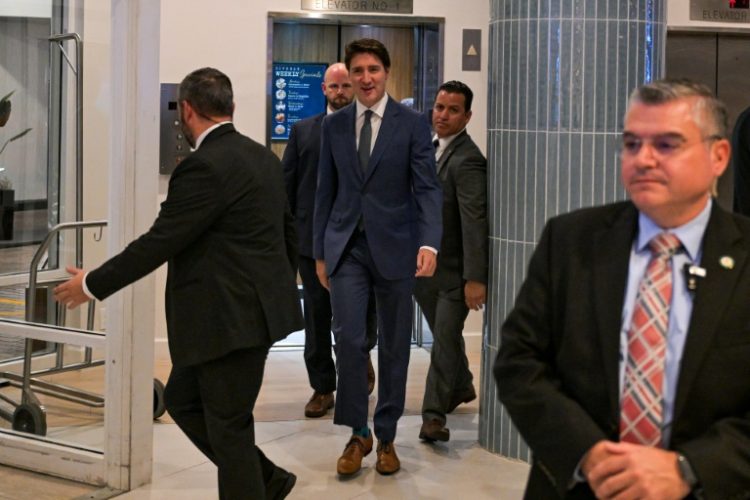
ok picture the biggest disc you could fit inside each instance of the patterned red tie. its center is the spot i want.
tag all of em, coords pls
(641, 403)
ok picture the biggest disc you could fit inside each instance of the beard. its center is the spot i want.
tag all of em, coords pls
(188, 135)
(338, 102)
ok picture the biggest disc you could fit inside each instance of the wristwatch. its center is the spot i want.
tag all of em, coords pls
(686, 471)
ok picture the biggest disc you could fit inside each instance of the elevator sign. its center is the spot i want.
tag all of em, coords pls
(370, 6)
(720, 11)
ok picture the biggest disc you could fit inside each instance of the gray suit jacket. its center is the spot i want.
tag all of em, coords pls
(462, 170)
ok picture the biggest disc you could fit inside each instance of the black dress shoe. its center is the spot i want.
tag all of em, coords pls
(284, 489)
(434, 430)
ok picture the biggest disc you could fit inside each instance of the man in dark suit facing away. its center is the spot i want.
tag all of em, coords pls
(377, 225)
(228, 237)
(624, 362)
(301, 176)
(460, 280)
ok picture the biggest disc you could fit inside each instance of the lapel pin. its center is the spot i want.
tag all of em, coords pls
(726, 262)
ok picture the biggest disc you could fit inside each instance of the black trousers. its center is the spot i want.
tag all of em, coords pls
(321, 369)
(213, 405)
(449, 376)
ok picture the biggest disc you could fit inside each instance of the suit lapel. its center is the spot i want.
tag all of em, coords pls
(344, 136)
(611, 261)
(385, 134)
(722, 239)
(455, 143)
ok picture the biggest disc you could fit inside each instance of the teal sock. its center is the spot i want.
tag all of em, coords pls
(363, 432)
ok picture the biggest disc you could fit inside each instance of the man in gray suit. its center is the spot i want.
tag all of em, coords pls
(460, 280)
(228, 237)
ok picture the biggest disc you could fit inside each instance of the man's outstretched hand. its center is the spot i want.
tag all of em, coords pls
(71, 292)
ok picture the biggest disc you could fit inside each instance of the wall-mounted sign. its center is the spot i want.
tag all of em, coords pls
(295, 94)
(371, 6)
(472, 49)
(720, 11)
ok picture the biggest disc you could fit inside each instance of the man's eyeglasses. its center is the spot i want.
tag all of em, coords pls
(661, 145)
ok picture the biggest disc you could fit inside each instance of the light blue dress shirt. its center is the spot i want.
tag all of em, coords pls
(691, 236)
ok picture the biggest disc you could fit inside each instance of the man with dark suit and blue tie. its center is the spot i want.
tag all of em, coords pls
(227, 235)
(301, 176)
(460, 280)
(377, 225)
(624, 362)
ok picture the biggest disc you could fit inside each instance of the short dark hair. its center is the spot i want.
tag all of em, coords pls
(209, 92)
(456, 87)
(370, 46)
(710, 112)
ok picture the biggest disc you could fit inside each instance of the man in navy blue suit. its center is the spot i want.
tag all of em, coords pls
(301, 176)
(377, 225)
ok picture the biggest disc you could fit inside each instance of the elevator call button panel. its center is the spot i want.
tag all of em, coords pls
(173, 146)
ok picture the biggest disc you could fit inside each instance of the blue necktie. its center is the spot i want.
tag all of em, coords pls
(365, 138)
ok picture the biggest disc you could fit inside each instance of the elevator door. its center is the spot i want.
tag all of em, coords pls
(719, 61)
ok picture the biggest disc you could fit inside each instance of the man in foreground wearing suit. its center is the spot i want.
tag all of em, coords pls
(227, 235)
(460, 280)
(377, 221)
(301, 176)
(624, 362)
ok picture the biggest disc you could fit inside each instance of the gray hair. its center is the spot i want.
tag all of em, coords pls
(710, 113)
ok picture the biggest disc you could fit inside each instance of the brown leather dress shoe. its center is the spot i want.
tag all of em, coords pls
(434, 430)
(466, 397)
(388, 462)
(350, 462)
(319, 404)
(370, 376)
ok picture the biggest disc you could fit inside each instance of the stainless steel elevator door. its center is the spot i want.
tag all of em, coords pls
(719, 60)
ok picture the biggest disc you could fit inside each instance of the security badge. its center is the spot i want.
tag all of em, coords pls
(693, 274)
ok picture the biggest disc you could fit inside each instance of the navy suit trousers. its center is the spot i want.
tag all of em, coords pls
(351, 285)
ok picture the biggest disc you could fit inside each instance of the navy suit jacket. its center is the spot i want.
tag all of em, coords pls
(301, 176)
(399, 198)
(557, 369)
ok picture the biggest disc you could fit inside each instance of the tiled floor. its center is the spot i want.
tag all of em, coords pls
(309, 448)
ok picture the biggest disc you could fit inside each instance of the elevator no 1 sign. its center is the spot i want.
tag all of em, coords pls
(295, 94)
(721, 11)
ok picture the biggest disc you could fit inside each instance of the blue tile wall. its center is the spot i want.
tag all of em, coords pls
(560, 72)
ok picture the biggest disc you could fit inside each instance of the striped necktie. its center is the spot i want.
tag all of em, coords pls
(642, 398)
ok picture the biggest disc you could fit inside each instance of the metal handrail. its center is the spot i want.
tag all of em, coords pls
(40, 253)
(27, 395)
(78, 72)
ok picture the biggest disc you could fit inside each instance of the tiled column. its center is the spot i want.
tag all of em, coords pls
(560, 72)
